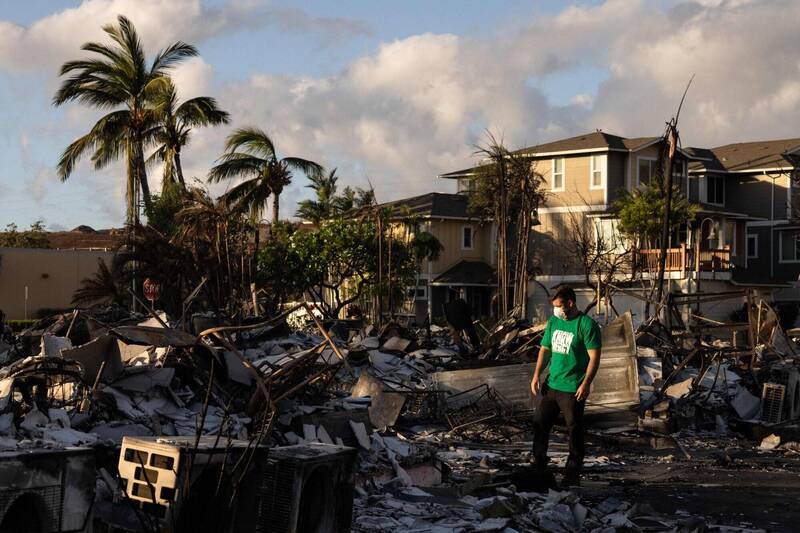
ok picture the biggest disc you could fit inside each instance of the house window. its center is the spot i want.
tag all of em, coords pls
(466, 184)
(466, 238)
(752, 246)
(558, 174)
(677, 168)
(607, 236)
(678, 173)
(715, 190)
(417, 293)
(646, 170)
(789, 247)
(597, 171)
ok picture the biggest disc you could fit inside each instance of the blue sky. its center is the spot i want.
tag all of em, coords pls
(394, 93)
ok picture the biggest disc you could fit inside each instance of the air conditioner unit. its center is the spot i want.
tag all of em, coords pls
(307, 488)
(787, 377)
(47, 490)
(185, 484)
(773, 396)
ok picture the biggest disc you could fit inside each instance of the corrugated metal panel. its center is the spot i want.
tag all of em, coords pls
(617, 381)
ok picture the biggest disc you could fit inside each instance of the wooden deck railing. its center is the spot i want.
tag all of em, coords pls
(647, 260)
(683, 259)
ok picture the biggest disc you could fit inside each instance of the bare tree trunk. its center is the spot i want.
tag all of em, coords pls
(665, 232)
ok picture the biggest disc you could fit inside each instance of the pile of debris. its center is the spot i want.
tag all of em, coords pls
(441, 426)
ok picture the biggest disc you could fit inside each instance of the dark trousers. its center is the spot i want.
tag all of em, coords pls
(553, 402)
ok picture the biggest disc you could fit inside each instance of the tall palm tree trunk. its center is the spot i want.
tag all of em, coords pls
(142, 171)
(179, 168)
(131, 217)
(276, 197)
(168, 177)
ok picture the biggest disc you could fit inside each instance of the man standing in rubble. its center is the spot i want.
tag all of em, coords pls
(572, 343)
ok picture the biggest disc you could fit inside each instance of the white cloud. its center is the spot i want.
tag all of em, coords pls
(50, 41)
(417, 106)
(193, 78)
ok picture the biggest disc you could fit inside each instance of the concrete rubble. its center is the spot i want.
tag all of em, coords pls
(442, 432)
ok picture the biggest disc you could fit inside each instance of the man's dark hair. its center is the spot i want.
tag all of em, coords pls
(564, 294)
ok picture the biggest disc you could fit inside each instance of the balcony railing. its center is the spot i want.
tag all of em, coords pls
(683, 259)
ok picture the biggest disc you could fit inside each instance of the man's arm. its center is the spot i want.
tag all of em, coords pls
(544, 353)
(591, 371)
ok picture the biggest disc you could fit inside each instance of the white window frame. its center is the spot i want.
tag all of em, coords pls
(780, 249)
(755, 247)
(603, 162)
(708, 188)
(563, 174)
(422, 288)
(471, 237)
(618, 242)
(638, 168)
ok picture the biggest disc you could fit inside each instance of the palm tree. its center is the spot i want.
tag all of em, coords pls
(104, 287)
(175, 123)
(326, 201)
(258, 161)
(118, 77)
(210, 231)
(354, 199)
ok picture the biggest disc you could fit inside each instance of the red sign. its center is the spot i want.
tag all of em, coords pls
(152, 289)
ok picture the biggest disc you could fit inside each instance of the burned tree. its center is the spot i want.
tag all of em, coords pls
(601, 252)
(508, 190)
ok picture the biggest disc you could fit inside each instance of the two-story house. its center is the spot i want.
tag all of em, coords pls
(584, 177)
(744, 232)
(464, 268)
(757, 179)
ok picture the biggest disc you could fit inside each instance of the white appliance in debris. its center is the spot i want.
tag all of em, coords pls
(215, 485)
(190, 484)
(780, 397)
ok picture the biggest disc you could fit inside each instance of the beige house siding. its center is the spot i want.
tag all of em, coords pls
(449, 233)
(52, 276)
(552, 246)
(752, 194)
(577, 170)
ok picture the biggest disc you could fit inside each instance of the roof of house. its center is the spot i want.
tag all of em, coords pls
(432, 204)
(741, 157)
(591, 141)
(597, 140)
(84, 237)
(467, 272)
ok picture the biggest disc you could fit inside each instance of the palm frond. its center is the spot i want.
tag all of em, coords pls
(233, 165)
(309, 168)
(251, 140)
(73, 154)
(201, 111)
(171, 55)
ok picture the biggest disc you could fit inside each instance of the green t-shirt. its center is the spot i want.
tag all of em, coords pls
(568, 342)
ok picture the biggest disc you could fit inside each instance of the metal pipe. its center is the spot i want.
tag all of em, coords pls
(771, 229)
(697, 257)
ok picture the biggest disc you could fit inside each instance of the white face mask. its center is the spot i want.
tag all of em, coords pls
(559, 312)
